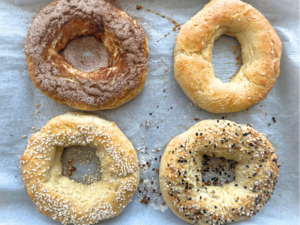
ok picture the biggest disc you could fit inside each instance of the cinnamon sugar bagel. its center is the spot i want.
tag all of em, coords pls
(261, 52)
(180, 177)
(106, 88)
(67, 201)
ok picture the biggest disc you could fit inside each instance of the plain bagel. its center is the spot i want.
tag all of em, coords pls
(106, 88)
(261, 53)
(180, 174)
(61, 199)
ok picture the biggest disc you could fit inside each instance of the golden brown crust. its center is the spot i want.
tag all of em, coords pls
(180, 175)
(261, 52)
(106, 88)
(57, 196)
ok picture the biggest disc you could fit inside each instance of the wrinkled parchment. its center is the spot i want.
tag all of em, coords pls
(171, 111)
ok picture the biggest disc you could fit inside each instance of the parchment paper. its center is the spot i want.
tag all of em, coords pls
(171, 111)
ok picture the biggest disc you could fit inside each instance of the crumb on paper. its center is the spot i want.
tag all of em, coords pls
(37, 105)
(25, 136)
(196, 119)
(191, 104)
(274, 120)
(267, 112)
(32, 128)
(37, 111)
(145, 201)
(148, 123)
(138, 7)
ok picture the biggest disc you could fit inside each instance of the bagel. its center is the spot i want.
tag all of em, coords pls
(67, 201)
(105, 88)
(180, 177)
(261, 53)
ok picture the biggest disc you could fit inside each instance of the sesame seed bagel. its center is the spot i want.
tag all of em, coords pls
(105, 88)
(67, 201)
(180, 175)
(261, 53)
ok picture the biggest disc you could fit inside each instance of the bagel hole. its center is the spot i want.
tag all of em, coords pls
(217, 171)
(81, 164)
(86, 53)
(227, 58)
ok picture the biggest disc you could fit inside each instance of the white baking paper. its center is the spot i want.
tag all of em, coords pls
(172, 112)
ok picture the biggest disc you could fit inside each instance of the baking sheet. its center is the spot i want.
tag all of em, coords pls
(162, 101)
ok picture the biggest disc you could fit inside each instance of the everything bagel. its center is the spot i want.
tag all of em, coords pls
(106, 88)
(261, 52)
(180, 175)
(67, 201)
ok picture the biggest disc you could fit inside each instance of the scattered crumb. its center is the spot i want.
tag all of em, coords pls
(32, 128)
(196, 119)
(267, 112)
(145, 201)
(235, 49)
(274, 120)
(25, 136)
(138, 7)
(148, 123)
(37, 111)
(191, 104)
